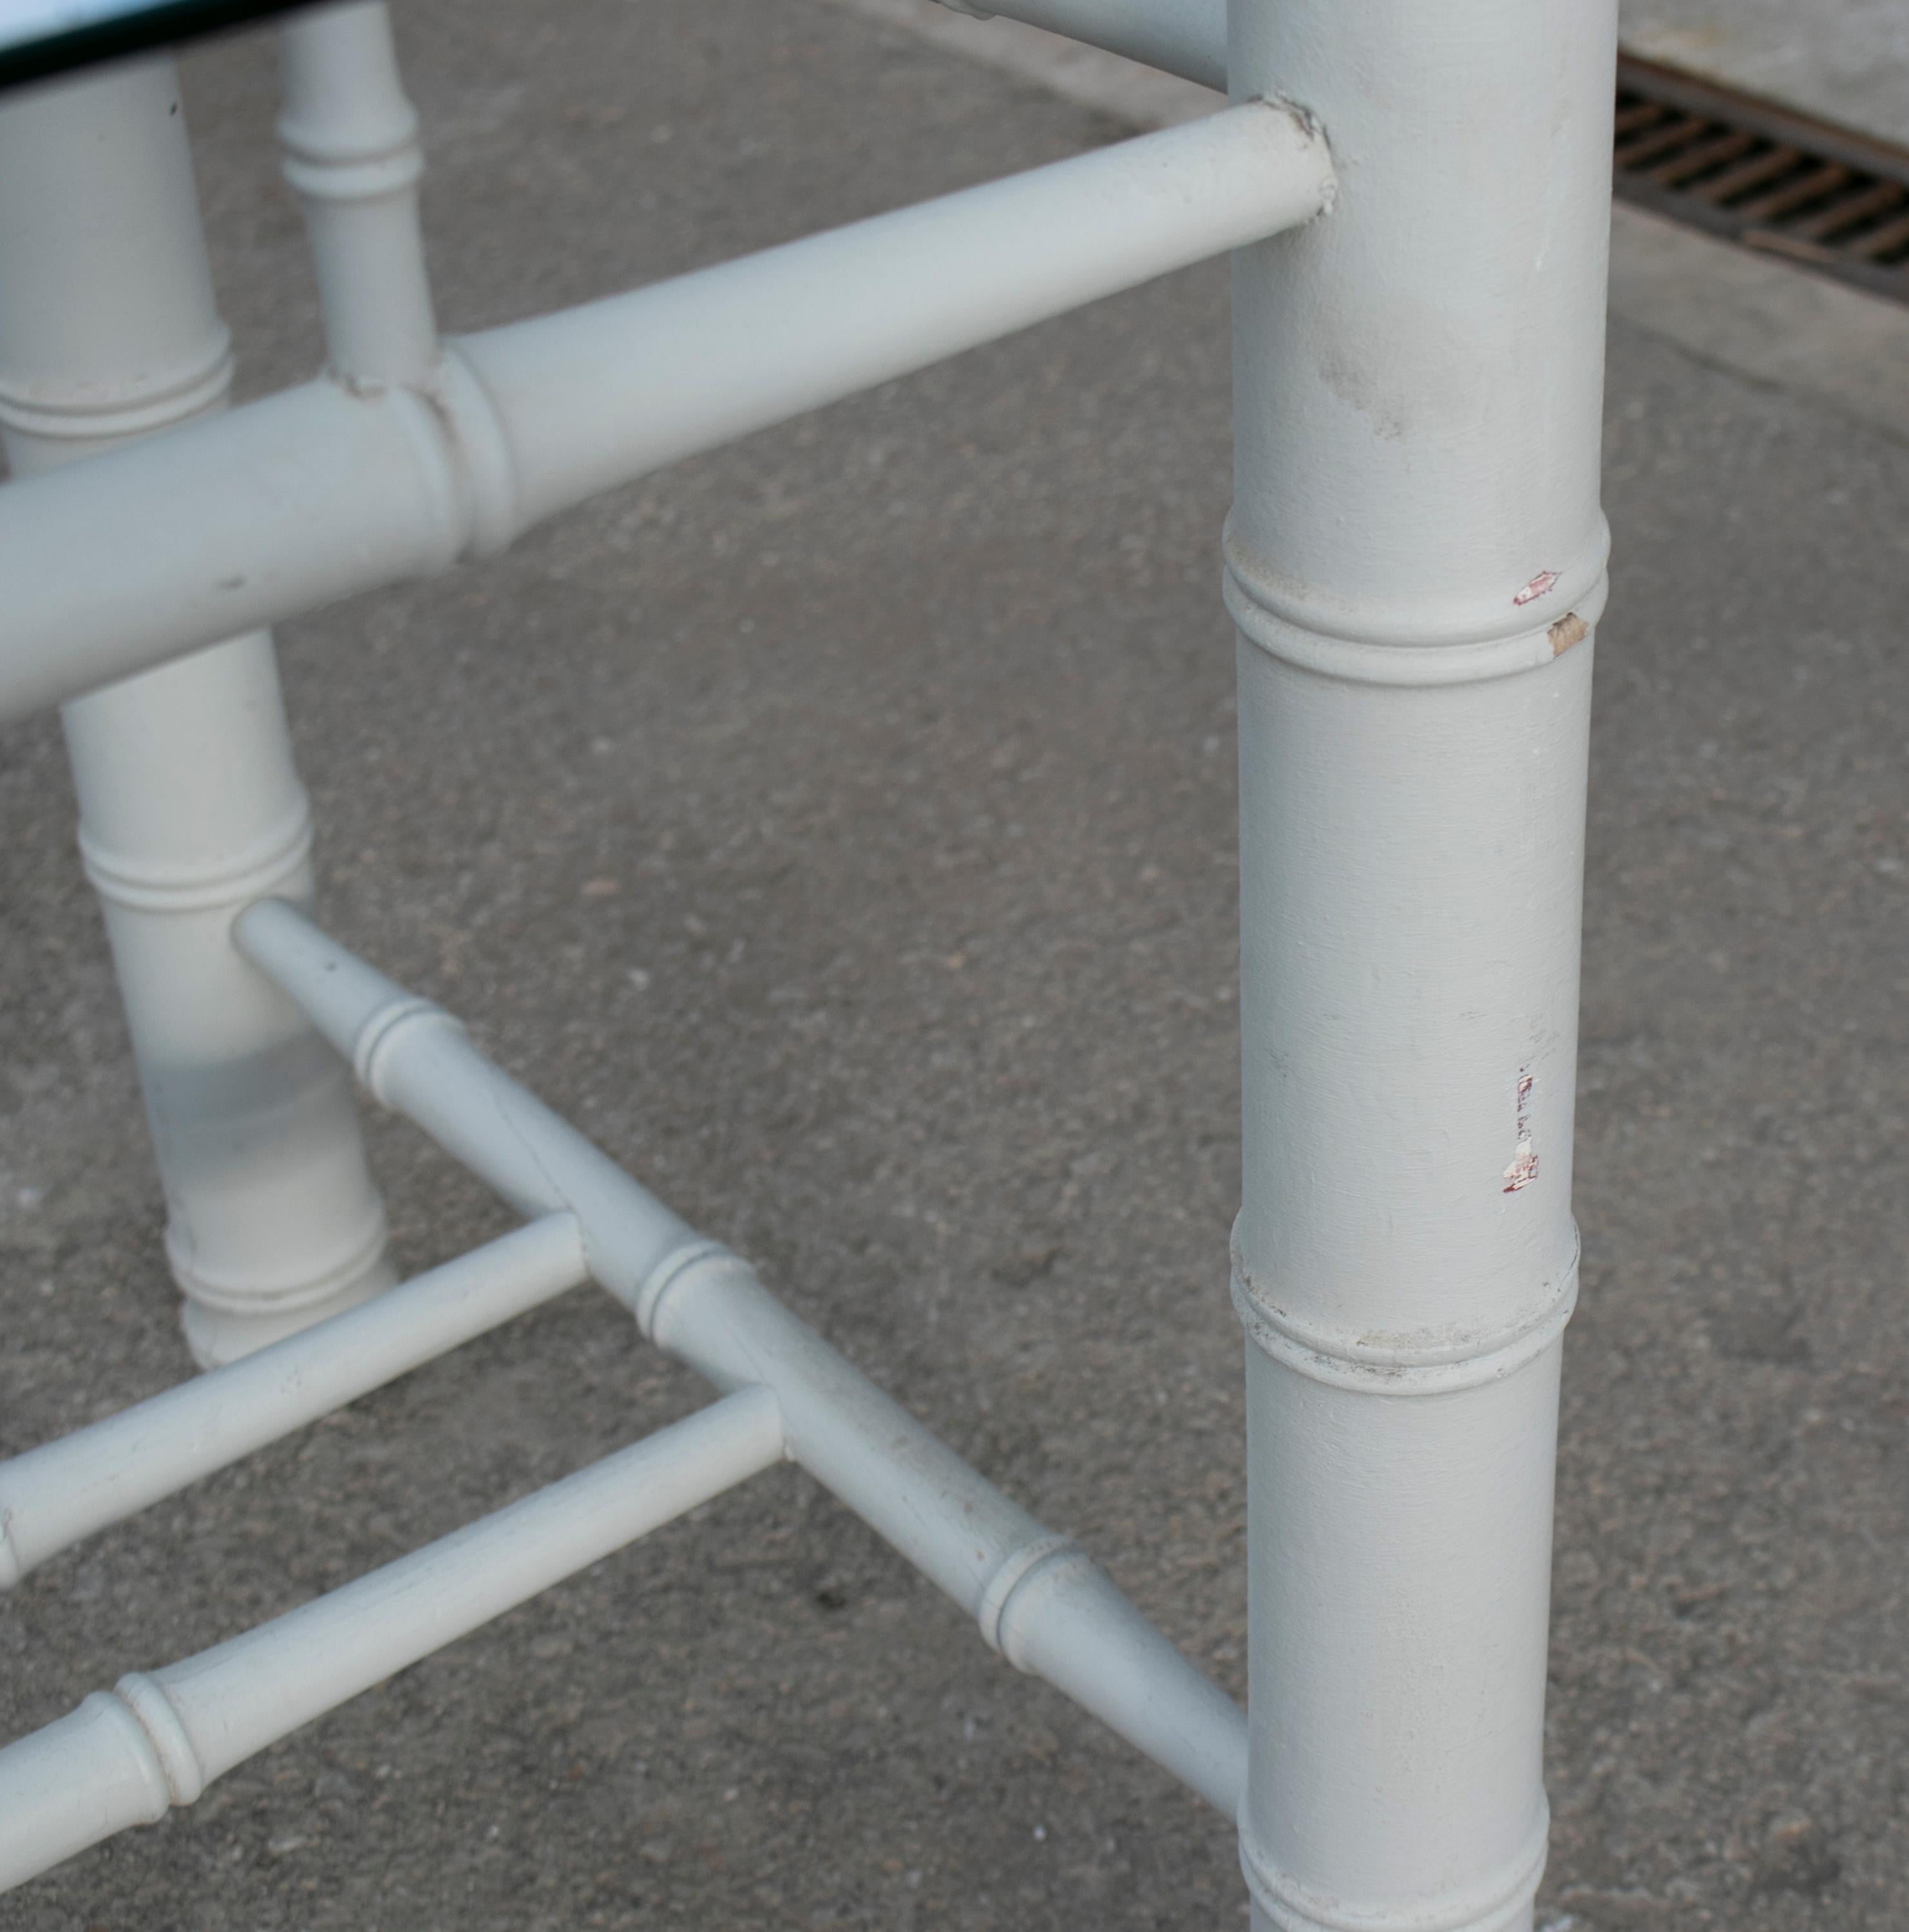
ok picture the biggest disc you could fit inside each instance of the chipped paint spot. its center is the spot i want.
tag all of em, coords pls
(1545, 580)
(1523, 1169)
(1569, 629)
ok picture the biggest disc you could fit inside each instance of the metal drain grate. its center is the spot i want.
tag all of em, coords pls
(1762, 174)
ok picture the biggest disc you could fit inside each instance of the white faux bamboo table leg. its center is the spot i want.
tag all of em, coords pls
(352, 154)
(189, 804)
(1415, 560)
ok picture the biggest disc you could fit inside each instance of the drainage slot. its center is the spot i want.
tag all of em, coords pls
(1763, 175)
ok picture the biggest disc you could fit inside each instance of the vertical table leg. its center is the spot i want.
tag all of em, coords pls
(190, 806)
(1415, 560)
(352, 154)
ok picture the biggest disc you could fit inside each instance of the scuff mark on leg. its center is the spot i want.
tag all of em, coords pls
(1523, 1169)
(1544, 580)
(1569, 629)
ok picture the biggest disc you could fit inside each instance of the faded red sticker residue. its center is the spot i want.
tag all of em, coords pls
(1537, 587)
(1523, 1169)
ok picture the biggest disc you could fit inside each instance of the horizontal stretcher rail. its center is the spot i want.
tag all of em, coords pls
(1188, 37)
(284, 505)
(125, 1756)
(1037, 1599)
(52, 1496)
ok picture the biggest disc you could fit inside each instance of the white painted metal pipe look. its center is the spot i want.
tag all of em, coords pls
(281, 506)
(1415, 560)
(289, 503)
(416, 1060)
(1414, 564)
(124, 1757)
(1188, 37)
(1039, 1599)
(352, 152)
(189, 801)
(617, 388)
(53, 1496)
(1036, 1596)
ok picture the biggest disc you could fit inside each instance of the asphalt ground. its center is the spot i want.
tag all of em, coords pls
(840, 829)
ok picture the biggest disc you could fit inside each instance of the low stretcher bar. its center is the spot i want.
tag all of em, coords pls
(126, 1756)
(52, 1496)
(1037, 1597)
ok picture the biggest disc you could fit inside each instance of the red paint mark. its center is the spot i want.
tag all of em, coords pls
(1523, 1169)
(1544, 580)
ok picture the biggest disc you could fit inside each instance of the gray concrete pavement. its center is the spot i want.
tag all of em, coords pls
(1846, 60)
(840, 828)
